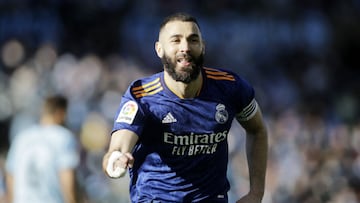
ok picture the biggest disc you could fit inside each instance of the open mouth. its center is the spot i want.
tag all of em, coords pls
(184, 61)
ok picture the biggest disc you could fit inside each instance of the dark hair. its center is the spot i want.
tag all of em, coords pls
(54, 103)
(184, 17)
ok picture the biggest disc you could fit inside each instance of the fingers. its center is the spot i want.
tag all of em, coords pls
(128, 159)
(105, 161)
(114, 168)
(115, 163)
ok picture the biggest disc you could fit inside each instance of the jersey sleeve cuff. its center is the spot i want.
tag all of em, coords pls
(248, 112)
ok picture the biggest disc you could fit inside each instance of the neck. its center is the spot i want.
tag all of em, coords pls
(184, 90)
(50, 120)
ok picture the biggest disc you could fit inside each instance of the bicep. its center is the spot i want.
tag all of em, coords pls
(255, 123)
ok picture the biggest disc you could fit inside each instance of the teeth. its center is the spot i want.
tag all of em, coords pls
(183, 60)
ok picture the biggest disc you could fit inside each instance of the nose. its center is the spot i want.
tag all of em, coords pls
(184, 46)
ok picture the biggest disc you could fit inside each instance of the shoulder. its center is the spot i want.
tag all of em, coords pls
(146, 86)
(226, 77)
(59, 133)
(26, 134)
(219, 74)
(230, 85)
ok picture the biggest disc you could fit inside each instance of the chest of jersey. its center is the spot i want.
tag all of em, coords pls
(187, 127)
(191, 116)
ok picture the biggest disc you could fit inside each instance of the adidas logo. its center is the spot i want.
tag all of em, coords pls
(169, 118)
(221, 196)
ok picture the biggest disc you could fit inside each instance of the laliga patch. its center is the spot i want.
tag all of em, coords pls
(128, 112)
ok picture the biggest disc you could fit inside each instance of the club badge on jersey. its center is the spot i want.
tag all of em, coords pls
(221, 115)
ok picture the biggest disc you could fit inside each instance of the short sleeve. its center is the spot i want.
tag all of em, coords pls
(245, 98)
(248, 112)
(129, 115)
(69, 151)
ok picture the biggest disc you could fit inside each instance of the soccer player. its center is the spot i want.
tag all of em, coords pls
(41, 162)
(171, 128)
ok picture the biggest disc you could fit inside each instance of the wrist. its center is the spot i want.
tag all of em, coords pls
(258, 194)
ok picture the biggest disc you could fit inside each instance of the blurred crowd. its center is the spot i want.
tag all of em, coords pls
(301, 57)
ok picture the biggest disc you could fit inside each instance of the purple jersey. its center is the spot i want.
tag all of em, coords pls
(182, 152)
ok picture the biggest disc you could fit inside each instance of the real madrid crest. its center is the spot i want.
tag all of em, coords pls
(221, 115)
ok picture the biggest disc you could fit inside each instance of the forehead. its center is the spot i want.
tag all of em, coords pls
(179, 28)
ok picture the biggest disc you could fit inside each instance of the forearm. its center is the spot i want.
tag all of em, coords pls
(257, 148)
(9, 187)
(68, 185)
(70, 197)
(123, 141)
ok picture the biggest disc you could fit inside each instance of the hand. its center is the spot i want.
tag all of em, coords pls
(124, 161)
(249, 198)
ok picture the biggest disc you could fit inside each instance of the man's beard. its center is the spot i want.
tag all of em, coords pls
(185, 76)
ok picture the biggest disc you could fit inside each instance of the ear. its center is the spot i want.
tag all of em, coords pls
(159, 50)
(203, 46)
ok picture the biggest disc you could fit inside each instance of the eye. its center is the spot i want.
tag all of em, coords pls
(175, 40)
(194, 40)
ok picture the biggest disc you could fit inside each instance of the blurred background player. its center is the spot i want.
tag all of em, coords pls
(42, 159)
(172, 127)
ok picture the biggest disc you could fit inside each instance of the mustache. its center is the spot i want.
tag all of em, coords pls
(184, 56)
(166, 60)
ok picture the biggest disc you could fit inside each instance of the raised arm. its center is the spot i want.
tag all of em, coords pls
(257, 147)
